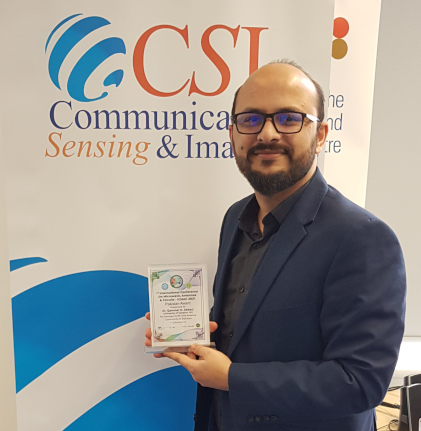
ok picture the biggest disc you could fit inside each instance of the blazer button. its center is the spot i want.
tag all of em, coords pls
(274, 418)
(259, 419)
(266, 418)
(250, 419)
(242, 289)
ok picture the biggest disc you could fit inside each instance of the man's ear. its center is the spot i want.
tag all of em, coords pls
(321, 136)
(230, 130)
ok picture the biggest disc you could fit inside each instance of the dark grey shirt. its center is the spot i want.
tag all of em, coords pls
(249, 251)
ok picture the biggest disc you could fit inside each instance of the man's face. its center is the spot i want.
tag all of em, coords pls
(273, 162)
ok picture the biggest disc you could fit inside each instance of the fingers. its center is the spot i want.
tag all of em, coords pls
(199, 350)
(172, 355)
(211, 370)
(181, 358)
(191, 355)
(213, 326)
(148, 332)
(148, 336)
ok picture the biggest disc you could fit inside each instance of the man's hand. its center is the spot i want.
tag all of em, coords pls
(210, 370)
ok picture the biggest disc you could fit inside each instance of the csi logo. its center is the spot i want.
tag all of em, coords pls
(84, 58)
(74, 64)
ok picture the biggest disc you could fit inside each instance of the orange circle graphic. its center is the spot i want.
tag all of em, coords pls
(339, 49)
(340, 27)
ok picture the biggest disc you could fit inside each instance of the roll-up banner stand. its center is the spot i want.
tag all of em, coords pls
(115, 155)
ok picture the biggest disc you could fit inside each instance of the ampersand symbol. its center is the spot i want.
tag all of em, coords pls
(166, 140)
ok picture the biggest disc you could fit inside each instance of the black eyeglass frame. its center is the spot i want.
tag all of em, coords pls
(312, 118)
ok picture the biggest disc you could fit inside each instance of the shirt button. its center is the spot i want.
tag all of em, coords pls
(255, 246)
(242, 289)
(231, 334)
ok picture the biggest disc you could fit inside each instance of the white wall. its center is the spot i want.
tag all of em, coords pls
(394, 178)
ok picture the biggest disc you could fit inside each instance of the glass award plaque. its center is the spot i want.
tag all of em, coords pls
(178, 301)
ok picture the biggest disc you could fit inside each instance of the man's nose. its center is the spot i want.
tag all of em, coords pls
(268, 132)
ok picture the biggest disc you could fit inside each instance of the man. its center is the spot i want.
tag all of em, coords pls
(309, 290)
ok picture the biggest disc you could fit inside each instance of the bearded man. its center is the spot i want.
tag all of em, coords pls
(309, 293)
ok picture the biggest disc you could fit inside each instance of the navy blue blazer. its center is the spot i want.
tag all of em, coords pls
(318, 337)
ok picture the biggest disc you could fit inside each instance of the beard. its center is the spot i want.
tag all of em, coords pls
(270, 184)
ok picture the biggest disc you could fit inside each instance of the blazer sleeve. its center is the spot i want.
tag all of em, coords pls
(361, 322)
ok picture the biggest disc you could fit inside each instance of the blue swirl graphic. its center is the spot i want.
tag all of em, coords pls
(20, 263)
(89, 61)
(161, 401)
(58, 26)
(55, 318)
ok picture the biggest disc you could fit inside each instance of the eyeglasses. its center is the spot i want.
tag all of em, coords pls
(250, 123)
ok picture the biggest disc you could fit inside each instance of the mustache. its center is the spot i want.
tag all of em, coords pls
(271, 147)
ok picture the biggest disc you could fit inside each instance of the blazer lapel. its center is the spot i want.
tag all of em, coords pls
(288, 237)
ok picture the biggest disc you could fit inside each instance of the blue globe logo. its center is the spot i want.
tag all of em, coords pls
(76, 34)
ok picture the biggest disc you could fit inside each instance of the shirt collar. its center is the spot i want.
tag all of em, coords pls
(274, 219)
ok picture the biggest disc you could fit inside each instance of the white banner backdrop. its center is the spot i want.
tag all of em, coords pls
(114, 132)
(7, 372)
(354, 53)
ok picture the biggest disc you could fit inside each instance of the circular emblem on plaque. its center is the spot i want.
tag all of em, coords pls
(164, 286)
(176, 281)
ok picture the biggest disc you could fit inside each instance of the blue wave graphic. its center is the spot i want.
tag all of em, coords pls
(58, 26)
(161, 401)
(20, 263)
(55, 318)
(89, 61)
(68, 40)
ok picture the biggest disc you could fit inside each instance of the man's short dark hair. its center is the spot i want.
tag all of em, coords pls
(320, 94)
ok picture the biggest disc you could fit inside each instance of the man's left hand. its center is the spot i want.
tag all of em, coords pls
(210, 370)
